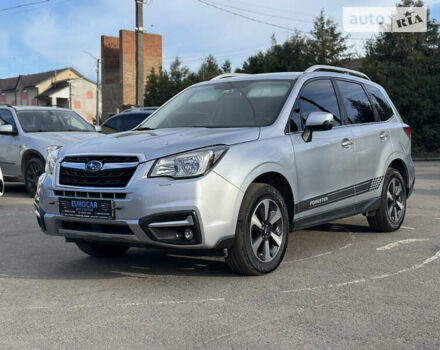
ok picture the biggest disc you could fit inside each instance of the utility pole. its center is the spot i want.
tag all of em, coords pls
(139, 52)
(98, 66)
(98, 112)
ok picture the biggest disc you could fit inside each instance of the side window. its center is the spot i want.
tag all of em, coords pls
(380, 102)
(6, 118)
(316, 96)
(356, 102)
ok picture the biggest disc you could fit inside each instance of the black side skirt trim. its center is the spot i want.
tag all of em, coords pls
(317, 219)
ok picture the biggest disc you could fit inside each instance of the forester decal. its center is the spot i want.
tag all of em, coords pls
(343, 193)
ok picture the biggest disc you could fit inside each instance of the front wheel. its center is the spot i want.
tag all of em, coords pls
(101, 250)
(261, 234)
(390, 215)
(33, 169)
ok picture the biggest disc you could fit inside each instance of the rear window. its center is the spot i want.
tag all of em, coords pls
(380, 102)
(356, 102)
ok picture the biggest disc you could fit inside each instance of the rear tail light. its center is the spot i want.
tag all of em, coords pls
(407, 130)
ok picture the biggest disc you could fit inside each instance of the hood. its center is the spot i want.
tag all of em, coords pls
(162, 142)
(60, 138)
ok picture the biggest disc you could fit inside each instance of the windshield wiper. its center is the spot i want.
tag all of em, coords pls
(144, 128)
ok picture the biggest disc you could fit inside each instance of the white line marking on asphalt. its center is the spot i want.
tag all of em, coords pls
(408, 228)
(405, 241)
(346, 246)
(148, 303)
(363, 280)
(307, 258)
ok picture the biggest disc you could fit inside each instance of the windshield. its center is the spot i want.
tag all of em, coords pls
(55, 120)
(223, 105)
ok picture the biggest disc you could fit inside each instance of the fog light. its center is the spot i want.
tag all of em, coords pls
(188, 234)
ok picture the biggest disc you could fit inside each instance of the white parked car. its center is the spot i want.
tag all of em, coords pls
(27, 131)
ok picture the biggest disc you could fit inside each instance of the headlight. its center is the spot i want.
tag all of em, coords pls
(52, 155)
(189, 164)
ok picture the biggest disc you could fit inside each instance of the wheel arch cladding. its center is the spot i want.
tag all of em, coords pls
(278, 181)
(28, 155)
(400, 166)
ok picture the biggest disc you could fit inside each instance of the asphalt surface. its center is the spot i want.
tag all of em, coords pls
(340, 286)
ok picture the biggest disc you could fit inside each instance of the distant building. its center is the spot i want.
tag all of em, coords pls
(63, 88)
(119, 68)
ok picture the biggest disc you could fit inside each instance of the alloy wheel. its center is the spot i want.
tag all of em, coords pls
(266, 230)
(32, 174)
(395, 200)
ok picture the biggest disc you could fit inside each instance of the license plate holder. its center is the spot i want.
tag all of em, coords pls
(87, 208)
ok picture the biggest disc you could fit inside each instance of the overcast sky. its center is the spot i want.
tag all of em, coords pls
(53, 34)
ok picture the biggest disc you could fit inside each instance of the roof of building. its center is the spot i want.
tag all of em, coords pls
(32, 80)
(58, 86)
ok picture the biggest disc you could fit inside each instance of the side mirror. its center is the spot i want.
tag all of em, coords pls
(7, 129)
(98, 128)
(317, 121)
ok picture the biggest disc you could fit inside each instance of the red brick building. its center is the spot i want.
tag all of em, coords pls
(119, 68)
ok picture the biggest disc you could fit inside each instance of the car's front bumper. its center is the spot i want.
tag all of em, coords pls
(209, 204)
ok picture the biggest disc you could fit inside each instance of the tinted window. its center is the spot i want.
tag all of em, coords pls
(223, 105)
(317, 96)
(112, 125)
(380, 102)
(6, 117)
(356, 102)
(52, 120)
(134, 119)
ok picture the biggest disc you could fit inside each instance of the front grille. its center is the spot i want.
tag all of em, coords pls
(116, 171)
(104, 178)
(102, 159)
(94, 195)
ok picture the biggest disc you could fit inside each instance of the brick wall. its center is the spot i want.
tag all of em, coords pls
(111, 84)
(119, 68)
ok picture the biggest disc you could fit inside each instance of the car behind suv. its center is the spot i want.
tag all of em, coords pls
(235, 164)
(27, 131)
(126, 120)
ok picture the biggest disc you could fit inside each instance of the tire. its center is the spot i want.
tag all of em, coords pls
(390, 215)
(100, 250)
(267, 229)
(32, 171)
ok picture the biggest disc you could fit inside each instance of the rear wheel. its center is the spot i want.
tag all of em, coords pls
(33, 169)
(390, 215)
(101, 250)
(262, 230)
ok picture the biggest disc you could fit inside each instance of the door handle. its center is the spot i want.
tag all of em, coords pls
(346, 143)
(384, 136)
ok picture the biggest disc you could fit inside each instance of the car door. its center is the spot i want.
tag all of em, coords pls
(372, 141)
(9, 146)
(324, 166)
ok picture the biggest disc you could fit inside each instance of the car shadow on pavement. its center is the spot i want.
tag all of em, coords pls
(15, 190)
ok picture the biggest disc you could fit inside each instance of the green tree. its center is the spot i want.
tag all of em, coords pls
(407, 65)
(209, 68)
(327, 44)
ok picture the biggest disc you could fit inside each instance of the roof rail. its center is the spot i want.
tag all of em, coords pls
(336, 69)
(228, 75)
(6, 105)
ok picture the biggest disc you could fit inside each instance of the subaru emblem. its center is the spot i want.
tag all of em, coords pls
(93, 166)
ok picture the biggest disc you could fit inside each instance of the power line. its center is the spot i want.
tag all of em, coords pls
(258, 20)
(244, 16)
(262, 13)
(43, 6)
(23, 5)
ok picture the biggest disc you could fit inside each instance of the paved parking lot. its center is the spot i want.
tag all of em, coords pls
(340, 286)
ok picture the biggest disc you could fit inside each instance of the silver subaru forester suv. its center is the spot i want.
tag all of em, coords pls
(234, 165)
